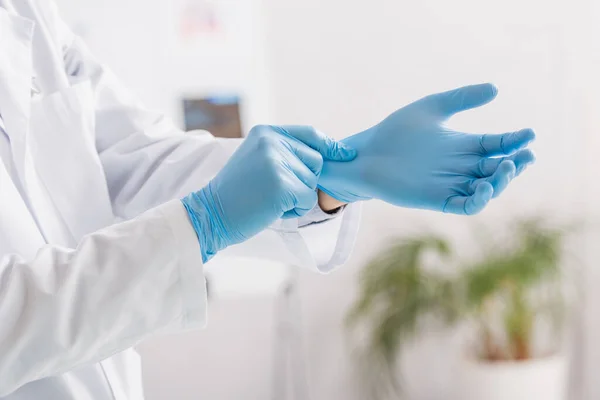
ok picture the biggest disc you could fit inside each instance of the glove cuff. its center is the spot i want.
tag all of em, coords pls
(205, 217)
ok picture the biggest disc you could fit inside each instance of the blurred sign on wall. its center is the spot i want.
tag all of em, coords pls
(197, 18)
(220, 115)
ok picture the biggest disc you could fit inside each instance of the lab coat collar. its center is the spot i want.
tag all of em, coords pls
(16, 73)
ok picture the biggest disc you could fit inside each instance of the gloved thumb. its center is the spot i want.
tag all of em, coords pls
(462, 99)
(329, 148)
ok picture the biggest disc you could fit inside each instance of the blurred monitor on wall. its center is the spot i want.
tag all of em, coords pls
(220, 115)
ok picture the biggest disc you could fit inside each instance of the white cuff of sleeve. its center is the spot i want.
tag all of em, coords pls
(191, 269)
(317, 215)
(322, 247)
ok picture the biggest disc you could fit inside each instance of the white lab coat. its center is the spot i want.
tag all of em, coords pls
(77, 289)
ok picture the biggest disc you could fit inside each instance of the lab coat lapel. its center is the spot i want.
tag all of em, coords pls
(16, 72)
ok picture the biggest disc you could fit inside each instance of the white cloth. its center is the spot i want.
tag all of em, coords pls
(5, 155)
(38, 201)
(78, 287)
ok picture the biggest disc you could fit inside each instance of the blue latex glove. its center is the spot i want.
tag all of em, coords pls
(411, 159)
(272, 175)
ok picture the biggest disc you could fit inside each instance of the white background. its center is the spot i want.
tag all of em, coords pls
(342, 66)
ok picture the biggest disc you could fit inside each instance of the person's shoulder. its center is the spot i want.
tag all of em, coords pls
(45, 14)
(36, 10)
(29, 8)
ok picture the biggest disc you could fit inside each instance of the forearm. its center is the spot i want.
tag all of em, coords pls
(68, 307)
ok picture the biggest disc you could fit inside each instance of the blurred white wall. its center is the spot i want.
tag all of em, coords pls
(342, 66)
(139, 41)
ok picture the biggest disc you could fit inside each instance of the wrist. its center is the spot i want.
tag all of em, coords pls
(327, 203)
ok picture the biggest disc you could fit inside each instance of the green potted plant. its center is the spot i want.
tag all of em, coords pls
(506, 299)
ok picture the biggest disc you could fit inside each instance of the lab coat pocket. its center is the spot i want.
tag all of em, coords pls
(63, 149)
(18, 231)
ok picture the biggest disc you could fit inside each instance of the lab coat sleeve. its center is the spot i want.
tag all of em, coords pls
(148, 161)
(68, 307)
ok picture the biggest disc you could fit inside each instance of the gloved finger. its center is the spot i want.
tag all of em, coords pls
(470, 205)
(487, 166)
(502, 144)
(305, 200)
(303, 172)
(329, 148)
(499, 180)
(461, 99)
(311, 158)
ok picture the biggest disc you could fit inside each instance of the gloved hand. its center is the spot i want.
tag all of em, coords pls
(272, 175)
(411, 159)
